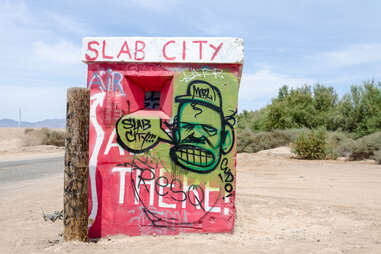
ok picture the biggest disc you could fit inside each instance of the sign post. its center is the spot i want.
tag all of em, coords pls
(76, 164)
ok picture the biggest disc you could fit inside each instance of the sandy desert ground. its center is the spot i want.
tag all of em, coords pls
(12, 146)
(283, 206)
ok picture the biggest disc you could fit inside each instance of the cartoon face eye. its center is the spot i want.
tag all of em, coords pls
(209, 129)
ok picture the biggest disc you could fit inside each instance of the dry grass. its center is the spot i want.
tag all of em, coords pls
(250, 142)
(44, 136)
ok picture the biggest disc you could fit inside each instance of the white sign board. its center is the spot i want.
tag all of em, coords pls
(162, 49)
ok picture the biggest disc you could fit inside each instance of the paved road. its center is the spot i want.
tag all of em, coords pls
(30, 169)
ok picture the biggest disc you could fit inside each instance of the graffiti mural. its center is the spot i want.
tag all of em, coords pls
(162, 144)
(200, 133)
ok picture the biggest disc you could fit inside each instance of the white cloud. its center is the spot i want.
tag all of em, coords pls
(62, 52)
(13, 13)
(67, 23)
(30, 40)
(258, 88)
(356, 54)
(38, 63)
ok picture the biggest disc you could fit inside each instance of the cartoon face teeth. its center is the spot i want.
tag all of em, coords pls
(195, 156)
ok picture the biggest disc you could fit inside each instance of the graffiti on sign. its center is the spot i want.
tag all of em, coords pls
(162, 145)
(197, 141)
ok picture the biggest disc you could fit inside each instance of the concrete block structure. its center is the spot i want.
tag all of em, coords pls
(162, 134)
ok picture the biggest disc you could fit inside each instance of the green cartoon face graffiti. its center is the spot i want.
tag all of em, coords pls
(201, 133)
(199, 136)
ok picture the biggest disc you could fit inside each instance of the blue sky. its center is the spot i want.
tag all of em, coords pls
(294, 42)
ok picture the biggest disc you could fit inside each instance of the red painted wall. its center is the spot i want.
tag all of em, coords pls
(138, 193)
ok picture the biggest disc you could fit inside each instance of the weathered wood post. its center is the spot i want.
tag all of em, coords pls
(76, 164)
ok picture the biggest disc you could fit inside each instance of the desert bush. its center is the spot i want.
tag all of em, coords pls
(377, 156)
(253, 120)
(360, 109)
(348, 120)
(33, 137)
(366, 147)
(358, 112)
(303, 107)
(251, 142)
(339, 144)
(311, 145)
(246, 139)
(43, 136)
(55, 138)
(290, 134)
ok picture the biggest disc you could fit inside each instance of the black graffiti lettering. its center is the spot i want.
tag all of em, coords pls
(187, 130)
(228, 187)
(159, 184)
(146, 124)
(146, 177)
(228, 175)
(127, 123)
(135, 136)
(149, 137)
(229, 178)
(143, 137)
(202, 93)
(130, 136)
(196, 201)
(143, 177)
(221, 177)
(175, 184)
(172, 185)
(180, 187)
(136, 124)
(224, 164)
(146, 168)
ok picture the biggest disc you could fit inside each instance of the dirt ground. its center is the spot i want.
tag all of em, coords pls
(13, 148)
(283, 206)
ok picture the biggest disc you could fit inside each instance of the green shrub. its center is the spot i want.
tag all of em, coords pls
(44, 136)
(248, 142)
(289, 134)
(365, 147)
(312, 145)
(358, 112)
(339, 144)
(251, 142)
(253, 120)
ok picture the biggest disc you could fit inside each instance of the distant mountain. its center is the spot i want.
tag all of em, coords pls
(48, 123)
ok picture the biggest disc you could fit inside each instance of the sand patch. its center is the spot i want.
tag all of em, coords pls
(15, 145)
(283, 206)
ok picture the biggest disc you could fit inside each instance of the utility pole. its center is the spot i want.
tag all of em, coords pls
(76, 164)
(19, 117)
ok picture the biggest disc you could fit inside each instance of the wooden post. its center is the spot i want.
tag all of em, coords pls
(76, 164)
